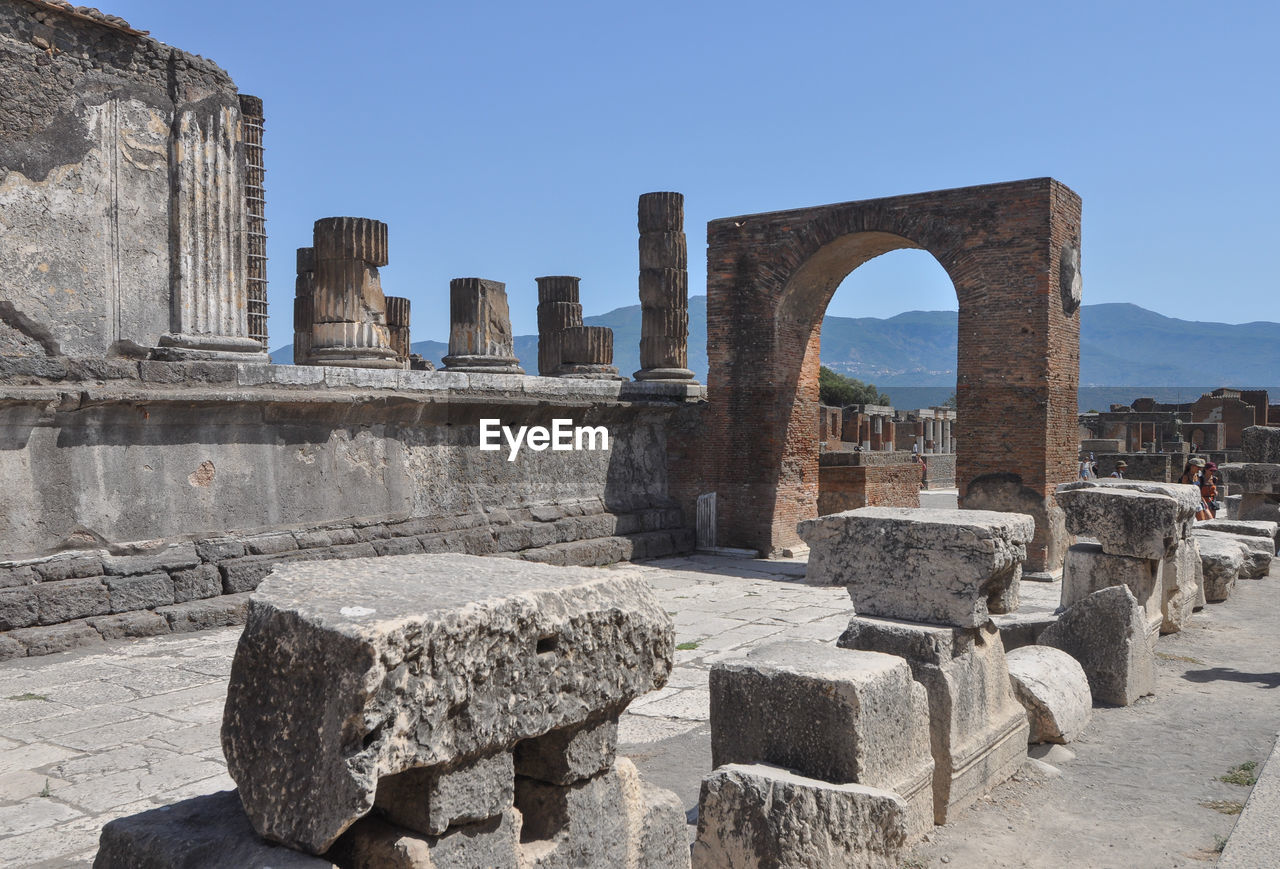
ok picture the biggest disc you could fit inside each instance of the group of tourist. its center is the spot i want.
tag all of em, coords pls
(1198, 472)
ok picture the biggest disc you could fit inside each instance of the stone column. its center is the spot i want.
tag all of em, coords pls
(350, 327)
(255, 199)
(304, 316)
(664, 289)
(946, 436)
(587, 353)
(480, 338)
(207, 256)
(398, 326)
(558, 310)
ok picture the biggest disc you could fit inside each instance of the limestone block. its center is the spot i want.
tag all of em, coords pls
(72, 599)
(1232, 504)
(601, 821)
(1259, 508)
(19, 608)
(1129, 521)
(1182, 580)
(833, 714)
(373, 843)
(1243, 526)
(930, 565)
(128, 593)
(757, 815)
(1258, 551)
(1107, 633)
(203, 831)
(569, 754)
(1221, 559)
(431, 801)
(1052, 687)
(1252, 478)
(977, 728)
(366, 668)
(1261, 444)
(1088, 569)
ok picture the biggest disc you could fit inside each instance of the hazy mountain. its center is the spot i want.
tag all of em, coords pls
(1120, 345)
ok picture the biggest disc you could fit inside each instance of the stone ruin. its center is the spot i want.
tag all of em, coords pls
(431, 711)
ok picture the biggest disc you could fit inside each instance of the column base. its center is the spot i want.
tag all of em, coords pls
(483, 364)
(208, 348)
(677, 374)
(584, 371)
(354, 357)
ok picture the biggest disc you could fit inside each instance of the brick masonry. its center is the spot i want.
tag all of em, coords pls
(769, 279)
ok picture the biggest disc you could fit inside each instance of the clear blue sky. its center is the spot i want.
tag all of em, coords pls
(508, 140)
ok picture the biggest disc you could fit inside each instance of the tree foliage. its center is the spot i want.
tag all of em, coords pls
(837, 390)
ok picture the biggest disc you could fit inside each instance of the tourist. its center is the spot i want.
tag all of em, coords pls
(1193, 475)
(1084, 470)
(1118, 473)
(1209, 489)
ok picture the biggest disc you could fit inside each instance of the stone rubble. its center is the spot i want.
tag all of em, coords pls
(1052, 686)
(1221, 559)
(1258, 551)
(1108, 633)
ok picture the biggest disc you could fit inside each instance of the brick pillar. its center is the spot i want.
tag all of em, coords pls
(480, 338)
(350, 327)
(587, 353)
(304, 315)
(558, 310)
(664, 289)
(398, 326)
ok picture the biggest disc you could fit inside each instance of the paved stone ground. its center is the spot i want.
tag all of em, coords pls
(92, 736)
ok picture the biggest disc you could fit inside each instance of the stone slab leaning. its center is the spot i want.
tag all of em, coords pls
(349, 672)
(946, 567)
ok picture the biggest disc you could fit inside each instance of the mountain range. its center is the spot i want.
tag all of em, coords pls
(1120, 345)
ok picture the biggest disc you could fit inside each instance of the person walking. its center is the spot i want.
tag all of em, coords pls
(1209, 489)
(1118, 473)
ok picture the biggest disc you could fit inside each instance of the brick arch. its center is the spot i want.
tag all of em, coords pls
(769, 280)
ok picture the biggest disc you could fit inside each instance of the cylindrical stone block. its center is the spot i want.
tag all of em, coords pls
(480, 336)
(346, 238)
(306, 271)
(661, 212)
(303, 314)
(302, 348)
(664, 287)
(588, 345)
(663, 250)
(397, 311)
(557, 288)
(348, 291)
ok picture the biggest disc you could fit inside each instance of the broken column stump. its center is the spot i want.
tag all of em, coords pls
(1053, 688)
(304, 313)
(1220, 561)
(434, 668)
(664, 289)
(480, 338)
(1107, 632)
(587, 354)
(558, 310)
(830, 714)
(350, 311)
(398, 328)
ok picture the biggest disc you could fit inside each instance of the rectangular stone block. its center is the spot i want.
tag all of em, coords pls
(945, 567)
(1254, 528)
(1252, 478)
(978, 729)
(1182, 581)
(130, 624)
(1260, 444)
(1089, 569)
(611, 819)
(219, 548)
(69, 566)
(373, 843)
(173, 557)
(200, 615)
(72, 599)
(828, 713)
(758, 815)
(19, 608)
(1220, 559)
(270, 544)
(195, 583)
(569, 754)
(128, 593)
(18, 575)
(431, 659)
(56, 638)
(1258, 551)
(1140, 521)
(430, 801)
(202, 831)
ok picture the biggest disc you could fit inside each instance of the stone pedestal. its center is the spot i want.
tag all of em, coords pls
(978, 729)
(558, 310)
(587, 353)
(350, 326)
(664, 289)
(480, 338)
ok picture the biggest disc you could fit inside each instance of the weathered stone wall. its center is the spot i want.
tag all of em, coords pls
(114, 149)
(318, 462)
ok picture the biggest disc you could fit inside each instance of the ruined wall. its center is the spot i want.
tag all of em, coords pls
(115, 148)
(848, 487)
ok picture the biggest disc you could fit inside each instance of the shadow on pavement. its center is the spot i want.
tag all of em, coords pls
(1214, 674)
